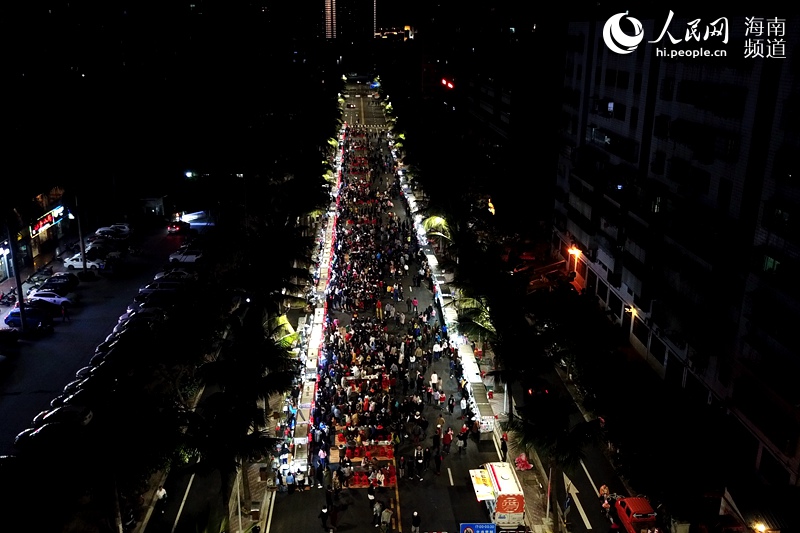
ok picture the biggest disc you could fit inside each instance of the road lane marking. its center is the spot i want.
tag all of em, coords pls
(590, 478)
(271, 507)
(450, 473)
(183, 502)
(573, 491)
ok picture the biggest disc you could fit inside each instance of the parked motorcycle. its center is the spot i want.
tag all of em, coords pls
(10, 298)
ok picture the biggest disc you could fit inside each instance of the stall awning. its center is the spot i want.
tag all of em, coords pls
(481, 484)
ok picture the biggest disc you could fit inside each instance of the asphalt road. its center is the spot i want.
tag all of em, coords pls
(40, 368)
(443, 501)
(367, 110)
(584, 480)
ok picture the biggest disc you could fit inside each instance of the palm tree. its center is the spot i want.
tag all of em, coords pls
(543, 424)
(231, 430)
(490, 306)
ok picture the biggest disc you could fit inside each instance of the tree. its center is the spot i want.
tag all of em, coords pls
(231, 428)
(543, 423)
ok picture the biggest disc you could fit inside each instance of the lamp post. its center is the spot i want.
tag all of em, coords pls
(12, 254)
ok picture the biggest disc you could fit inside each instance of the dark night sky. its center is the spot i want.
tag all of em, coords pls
(136, 92)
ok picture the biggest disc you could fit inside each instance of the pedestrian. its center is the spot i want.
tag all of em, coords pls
(447, 439)
(371, 495)
(462, 441)
(290, 482)
(323, 516)
(415, 305)
(329, 496)
(463, 406)
(416, 521)
(386, 520)
(409, 303)
(64, 313)
(419, 460)
(451, 404)
(437, 461)
(503, 447)
(377, 509)
(161, 498)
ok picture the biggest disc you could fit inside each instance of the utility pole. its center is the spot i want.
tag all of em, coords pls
(12, 247)
(80, 234)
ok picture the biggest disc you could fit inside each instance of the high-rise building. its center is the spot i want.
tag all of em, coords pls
(676, 205)
(330, 19)
(353, 21)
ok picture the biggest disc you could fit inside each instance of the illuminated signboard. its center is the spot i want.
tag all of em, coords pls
(49, 219)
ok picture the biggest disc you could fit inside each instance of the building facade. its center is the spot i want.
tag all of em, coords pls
(353, 21)
(676, 202)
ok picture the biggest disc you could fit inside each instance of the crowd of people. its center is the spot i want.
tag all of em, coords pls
(375, 375)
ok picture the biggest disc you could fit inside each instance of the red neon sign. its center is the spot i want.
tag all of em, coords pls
(49, 219)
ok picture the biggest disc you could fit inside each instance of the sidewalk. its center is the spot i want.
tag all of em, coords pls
(42, 260)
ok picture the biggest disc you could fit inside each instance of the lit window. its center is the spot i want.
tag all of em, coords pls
(771, 264)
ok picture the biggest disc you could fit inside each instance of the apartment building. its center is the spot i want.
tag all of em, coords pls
(677, 199)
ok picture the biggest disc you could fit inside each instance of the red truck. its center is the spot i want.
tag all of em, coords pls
(636, 515)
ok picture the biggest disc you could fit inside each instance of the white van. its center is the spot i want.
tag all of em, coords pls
(497, 485)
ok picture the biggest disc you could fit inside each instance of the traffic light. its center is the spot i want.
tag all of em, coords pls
(447, 83)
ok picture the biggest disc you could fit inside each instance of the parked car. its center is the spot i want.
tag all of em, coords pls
(111, 234)
(86, 398)
(164, 285)
(43, 306)
(138, 328)
(122, 227)
(186, 256)
(121, 344)
(76, 261)
(177, 227)
(175, 273)
(70, 414)
(64, 279)
(93, 238)
(53, 437)
(98, 252)
(154, 312)
(83, 372)
(61, 288)
(33, 318)
(136, 321)
(158, 298)
(54, 298)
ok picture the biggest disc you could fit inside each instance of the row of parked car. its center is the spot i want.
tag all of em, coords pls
(52, 296)
(49, 300)
(135, 333)
(105, 244)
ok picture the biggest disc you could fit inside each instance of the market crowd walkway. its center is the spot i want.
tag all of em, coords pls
(382, 371)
